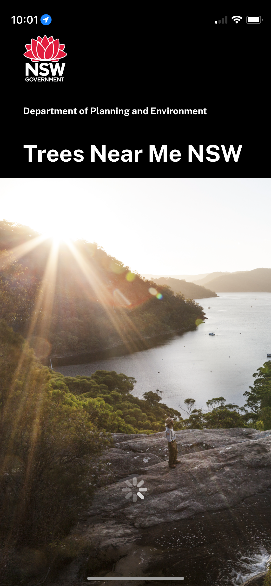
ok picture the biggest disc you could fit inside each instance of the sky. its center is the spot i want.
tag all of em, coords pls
(154, 226)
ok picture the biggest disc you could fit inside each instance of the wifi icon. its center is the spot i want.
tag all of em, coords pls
(236, 18)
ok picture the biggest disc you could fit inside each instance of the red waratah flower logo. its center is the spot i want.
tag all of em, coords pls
(45, 49)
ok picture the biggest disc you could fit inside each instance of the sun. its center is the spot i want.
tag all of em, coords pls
(58, 234)
(61, 238)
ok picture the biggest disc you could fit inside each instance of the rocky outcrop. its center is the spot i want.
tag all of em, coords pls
(256, 580)
(197, 520)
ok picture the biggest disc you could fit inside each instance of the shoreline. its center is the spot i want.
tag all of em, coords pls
(116, 350)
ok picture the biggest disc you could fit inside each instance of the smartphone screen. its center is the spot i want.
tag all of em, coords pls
(135, 298)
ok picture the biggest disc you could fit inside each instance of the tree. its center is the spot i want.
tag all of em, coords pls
(196, 419)
(233, 406)
(260, 394)
(218, 402)
(189, 403)
(220, 417)
(265, 417)
(152, 398)
(117, 382)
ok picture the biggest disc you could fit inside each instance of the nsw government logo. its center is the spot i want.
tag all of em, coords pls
(45, 53)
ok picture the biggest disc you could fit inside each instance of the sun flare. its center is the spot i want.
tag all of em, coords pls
(58, 234)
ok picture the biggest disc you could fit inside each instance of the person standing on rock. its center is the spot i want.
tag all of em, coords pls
(172, 444)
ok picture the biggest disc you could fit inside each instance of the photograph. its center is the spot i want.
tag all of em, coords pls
(135, 369)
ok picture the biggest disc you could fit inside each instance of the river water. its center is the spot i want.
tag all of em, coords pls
(196, 365)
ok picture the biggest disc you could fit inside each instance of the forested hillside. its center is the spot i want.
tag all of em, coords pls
(75, 298)
(203, 281)
(189, 290)
(188, 278)
(256, 280)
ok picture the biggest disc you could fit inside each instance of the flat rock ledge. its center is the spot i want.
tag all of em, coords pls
(194, 521)
(256, 580)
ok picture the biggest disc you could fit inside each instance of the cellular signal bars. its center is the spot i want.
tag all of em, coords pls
(223, 21)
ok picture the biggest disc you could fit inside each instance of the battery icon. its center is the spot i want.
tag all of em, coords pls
(254, 19)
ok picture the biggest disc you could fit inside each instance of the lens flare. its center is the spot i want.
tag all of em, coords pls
(120, 298)
(153, 291)
(130, 277)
